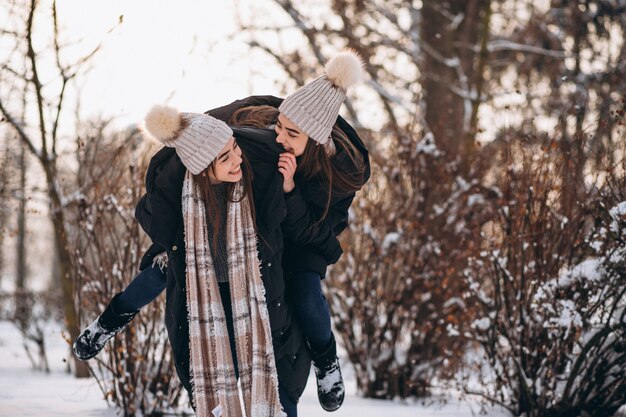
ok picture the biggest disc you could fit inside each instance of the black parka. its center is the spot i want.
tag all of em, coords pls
(317, 245)
(160, 214)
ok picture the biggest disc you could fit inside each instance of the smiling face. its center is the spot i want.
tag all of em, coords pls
(227, 166)
(289, 136)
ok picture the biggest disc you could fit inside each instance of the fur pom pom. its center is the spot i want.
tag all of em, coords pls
(162, 122)
(345, 69)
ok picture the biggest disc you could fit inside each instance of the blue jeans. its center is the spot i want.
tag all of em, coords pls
(142, 290)
(311, 308)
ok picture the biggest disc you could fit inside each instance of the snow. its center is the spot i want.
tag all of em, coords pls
(590, 269)
(28, 393)
(390, 239)
(427, 146)
(618, 215)
(475, 199)
(482, 324)
(569, 316)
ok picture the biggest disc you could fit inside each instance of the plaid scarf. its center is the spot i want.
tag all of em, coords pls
(213, 379)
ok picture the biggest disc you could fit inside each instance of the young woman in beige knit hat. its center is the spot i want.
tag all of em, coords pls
(323, 163)
(226, 311)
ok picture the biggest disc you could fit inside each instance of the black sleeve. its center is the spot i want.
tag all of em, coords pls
(302, 225)
(224, 113)
(158, 218)
(159, 211)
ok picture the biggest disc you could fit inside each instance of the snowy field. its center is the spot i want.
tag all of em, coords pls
(28, 393)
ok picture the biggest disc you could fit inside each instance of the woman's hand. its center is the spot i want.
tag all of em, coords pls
(287, 166)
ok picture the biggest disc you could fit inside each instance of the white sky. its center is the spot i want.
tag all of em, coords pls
(184, 52)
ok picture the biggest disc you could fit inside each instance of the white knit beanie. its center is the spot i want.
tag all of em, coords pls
(315, 106)
(198, 138)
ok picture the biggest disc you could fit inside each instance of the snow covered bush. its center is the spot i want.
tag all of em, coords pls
(550, 289)
(134, 371)
(397, 290)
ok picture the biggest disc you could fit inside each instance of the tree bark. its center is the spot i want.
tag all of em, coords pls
(81, 370)
(21, 307)
(452, 75)
(4, 209)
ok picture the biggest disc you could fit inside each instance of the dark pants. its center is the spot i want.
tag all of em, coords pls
(311, 308)
(142, 290)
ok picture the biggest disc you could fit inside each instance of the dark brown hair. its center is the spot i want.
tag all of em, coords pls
(203, 182)
(315, 163)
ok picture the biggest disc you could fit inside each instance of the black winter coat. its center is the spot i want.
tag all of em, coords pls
(160, 214)
(318, 245)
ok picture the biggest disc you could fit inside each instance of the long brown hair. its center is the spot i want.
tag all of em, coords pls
(315, 163)
(203, 182)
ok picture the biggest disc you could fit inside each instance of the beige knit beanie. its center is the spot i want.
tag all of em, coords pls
(198, 138)
(315, 106)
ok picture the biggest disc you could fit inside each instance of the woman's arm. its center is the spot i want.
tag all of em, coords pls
(159, 211)
(302, 225)
(224, 113)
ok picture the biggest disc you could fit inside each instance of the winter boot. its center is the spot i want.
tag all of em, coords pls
(91, 341)
(330, 389)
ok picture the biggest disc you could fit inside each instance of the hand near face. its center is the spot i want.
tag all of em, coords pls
(287, 166)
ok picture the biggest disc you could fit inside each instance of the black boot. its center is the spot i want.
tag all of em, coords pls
(91, 341)
(330, 389)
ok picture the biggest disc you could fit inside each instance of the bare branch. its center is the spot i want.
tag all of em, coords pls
(23, 77)
(278, 58)
(35, 78)
(505, 45)
(308, 32)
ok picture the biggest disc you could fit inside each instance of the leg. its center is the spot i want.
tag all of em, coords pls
(289, 406)
(314, 318)
(144, 288)
(311, 309)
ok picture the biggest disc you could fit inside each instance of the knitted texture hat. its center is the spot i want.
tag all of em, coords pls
(315, 106)
(198, 138)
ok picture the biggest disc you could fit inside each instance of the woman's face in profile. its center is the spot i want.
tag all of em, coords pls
(290, 136)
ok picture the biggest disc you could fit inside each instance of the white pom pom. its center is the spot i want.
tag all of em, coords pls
(345, 69)
(162, 122)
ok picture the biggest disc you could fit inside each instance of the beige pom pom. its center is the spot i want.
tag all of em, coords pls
(345, 69)
(163, 122)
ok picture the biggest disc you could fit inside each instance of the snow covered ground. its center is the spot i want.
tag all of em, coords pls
(28, 393)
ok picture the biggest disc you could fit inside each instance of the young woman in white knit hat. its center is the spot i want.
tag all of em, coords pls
(323, 162)
(221, 314)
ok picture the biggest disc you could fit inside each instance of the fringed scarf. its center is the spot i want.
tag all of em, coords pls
(213, 379)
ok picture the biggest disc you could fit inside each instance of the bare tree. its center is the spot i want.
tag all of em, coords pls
(135, 371)
(41, 137)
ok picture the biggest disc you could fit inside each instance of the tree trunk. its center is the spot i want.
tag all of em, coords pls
(4, 209)
(64, 261)
(451, 74)
(21, 305)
